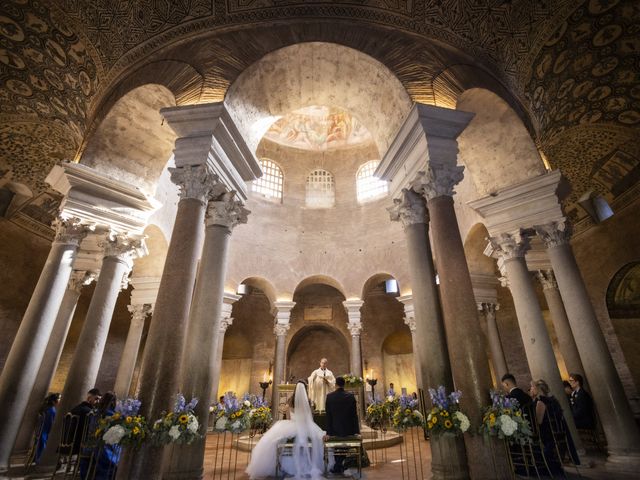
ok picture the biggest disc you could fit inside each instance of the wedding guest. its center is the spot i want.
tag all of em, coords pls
(76, 428)
(513, 391)
(391, 392)
(581, 403)
(47, 416)
(567, 389)
(104, 458)
(342, 418)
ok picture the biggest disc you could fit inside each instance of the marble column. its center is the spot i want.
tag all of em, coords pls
(356, 354)
(618, 423)
(511, 249)
(131, 347)
(410, 321)
(119, 252)
(567, 343)
(223, 214)
(160, 376)
(493, 336)
(280, 330)
(448, 457)
(27, 351)
(51, 357)
(216, 369)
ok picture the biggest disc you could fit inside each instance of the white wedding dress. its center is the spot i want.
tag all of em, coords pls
(306, 462)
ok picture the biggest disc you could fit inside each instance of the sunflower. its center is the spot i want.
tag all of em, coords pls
(136, 430)
(444, 413)
(128, 419)
(184, 418)
(448, 424)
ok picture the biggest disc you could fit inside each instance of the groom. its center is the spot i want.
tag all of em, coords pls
(342, 418)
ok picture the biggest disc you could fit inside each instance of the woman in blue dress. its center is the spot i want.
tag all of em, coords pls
(47, 416)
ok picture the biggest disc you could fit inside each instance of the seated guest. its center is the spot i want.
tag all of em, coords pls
(342, 418)
(104, 458)
(77, 426)
(581, 403)
(510, 386)
(47, 416)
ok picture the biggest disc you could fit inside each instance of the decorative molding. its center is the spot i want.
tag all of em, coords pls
(438, 181)
(125, 248)
(69, 230)
(281, 329)
(139, 312)
(282, 311)
(485, 288)
(409, 209)
(226, 212)
(554, 234)
(353, 307)
(354, 328)
(195, 181)
(508, 246)
(145, 290)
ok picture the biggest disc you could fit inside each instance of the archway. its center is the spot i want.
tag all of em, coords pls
(399, 366)
(310, 344)
(237, 356)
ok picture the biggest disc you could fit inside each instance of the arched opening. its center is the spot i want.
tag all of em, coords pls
(237, 362)
(623, 304)
(398, 362)
(313, 342)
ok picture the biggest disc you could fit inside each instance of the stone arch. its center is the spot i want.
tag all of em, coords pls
(312, 342)
(264, 285)
(474, 245)
(152, 264)
(496, 148)
(317, 73)
(321, 279)
(374, 281)
(135, 152)
(397, 360)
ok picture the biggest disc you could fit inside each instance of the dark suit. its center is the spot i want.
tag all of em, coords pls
(342, 419)
(582, 409)
(76, 426)
(523, 399)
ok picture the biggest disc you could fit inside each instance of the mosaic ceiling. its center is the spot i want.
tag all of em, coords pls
(570, 67)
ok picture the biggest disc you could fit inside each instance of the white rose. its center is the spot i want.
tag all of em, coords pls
(247, 403)
(390, 398)
(507, 425)
(114, 435)
(464, 421)
(174, 432)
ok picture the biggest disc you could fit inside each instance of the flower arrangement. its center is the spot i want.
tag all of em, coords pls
(352, 381)
(406, 414)
(178, 426)
(445, 416)
(377, 414)
(504, 419)
(124, 427)
(260, 418)
(236, 413)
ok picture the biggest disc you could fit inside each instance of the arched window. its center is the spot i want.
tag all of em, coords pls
(271, 183)
(321, 191)
(369, 187)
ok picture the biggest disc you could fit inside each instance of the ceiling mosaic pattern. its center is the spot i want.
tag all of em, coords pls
(571, 66)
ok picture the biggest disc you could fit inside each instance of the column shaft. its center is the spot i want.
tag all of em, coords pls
(356, 356)
(202, 340)
(25, 357)
(130, 352)
(216, 368)
(159, 376)
(47, 368)
(85, 363)
(537, 344)
(495, 345)
(623, 439)
(278, 370)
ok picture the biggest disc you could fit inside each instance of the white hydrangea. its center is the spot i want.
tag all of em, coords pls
(193, 424)
(247, 403)
(507, 425)
(464, 421)
(222, 421)
(390, 398)
(174, 432)
(114, 435)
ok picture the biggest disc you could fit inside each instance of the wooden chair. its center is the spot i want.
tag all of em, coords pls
(348, 447)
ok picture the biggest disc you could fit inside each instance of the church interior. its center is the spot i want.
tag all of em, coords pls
(202, 197)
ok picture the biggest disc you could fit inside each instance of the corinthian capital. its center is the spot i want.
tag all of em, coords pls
(354, 328)
(508, 246)
(554, 234)
(69, 230)
(547, 279)
(227, 211)
(438, 180)
(139, 312)
(196, 181)
(80, 278)
(409, 209)
(281, 329)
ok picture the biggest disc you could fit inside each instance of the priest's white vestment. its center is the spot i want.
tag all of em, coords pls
(321, 382)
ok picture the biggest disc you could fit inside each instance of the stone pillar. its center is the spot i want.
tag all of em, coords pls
(225, 322)
(130, 353)
(355, 327)
(493, 336)
(119, 252)
(431, 342)
(410, 321)
(283, 314)
(160, 376)
(51, 358)
(560, 321)
(618, 423)
(537, 345)
(27, 351)
(223, 215)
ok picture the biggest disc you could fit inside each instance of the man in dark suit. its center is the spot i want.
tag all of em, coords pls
(342, 418)
(510, 386)
(78, 422)
(581, 403)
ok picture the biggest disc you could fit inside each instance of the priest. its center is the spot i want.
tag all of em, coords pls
(321, 382)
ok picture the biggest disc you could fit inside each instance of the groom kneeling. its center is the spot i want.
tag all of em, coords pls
(342, 418)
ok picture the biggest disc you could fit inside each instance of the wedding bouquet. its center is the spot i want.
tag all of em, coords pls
(377, 414)
(124, 427)
(178, 426)
(406, 415)
(352, 381)
(260, 418)
(236, 413)
(504, 419)
(445, 416)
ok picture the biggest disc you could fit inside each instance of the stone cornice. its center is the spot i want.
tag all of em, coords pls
(535, 201)
(145, 290)
(485, 288)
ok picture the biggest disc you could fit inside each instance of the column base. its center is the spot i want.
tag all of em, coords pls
(623, 462)
(448, 458)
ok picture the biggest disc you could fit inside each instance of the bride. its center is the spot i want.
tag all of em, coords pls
(307, 459)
